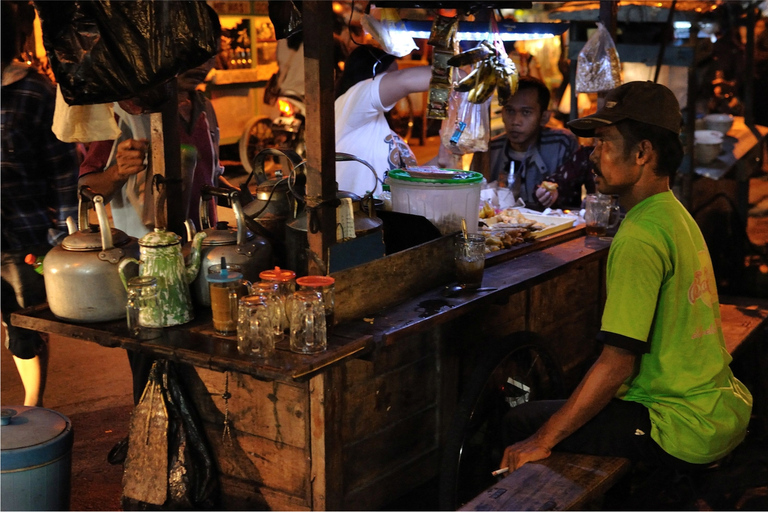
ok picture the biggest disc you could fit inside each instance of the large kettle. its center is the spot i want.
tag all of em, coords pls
(364, 216)
(81, 275)
(239, 246)
(275, 201)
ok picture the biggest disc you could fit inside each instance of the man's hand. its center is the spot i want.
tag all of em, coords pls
(545, 196)
(131, 154)
(525, 451)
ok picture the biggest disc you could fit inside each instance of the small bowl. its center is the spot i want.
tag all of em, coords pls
(706, 153)
(719, 122)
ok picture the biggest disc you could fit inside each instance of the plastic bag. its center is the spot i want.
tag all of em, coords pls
(102, 51)
(598, 67)
(285, 17)
(83, 123)
(467, 127)
(390, 33)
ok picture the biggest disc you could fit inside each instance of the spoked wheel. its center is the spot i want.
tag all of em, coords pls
(256, 136)
(516, 371)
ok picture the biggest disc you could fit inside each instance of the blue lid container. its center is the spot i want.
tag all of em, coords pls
(36, 461)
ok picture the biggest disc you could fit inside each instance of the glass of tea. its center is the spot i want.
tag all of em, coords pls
(469, 255)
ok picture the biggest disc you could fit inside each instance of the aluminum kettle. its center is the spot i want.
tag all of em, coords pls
(82, 279)
(252, 253)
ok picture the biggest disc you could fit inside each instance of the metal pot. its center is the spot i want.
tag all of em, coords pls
(239, 246)
(81, 275)
(273, 203)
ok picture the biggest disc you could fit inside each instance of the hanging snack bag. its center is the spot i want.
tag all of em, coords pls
(598, 67)
(443, 30)
(467, 127)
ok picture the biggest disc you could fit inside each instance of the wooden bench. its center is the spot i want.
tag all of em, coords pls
(568, 481)
(562, 481)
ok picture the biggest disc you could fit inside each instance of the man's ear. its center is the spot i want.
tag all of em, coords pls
(545, 117)
(644, 149)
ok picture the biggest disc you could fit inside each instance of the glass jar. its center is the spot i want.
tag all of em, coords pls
(141, 304)
(286, 283)
(225, 289)
(269, 294)
(324, 287)
(255, 334)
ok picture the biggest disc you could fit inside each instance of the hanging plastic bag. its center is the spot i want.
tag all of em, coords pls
(467, 127)
(83, 123)
(390, 33)
(598, 67)
(285, 17)
(102, 51)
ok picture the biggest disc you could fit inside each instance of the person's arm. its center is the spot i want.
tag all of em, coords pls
(594, 392)
(396, 85)
(130, 160)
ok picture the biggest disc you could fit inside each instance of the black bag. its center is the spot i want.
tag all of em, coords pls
(272, 89)
(285, 17)
(102, 51)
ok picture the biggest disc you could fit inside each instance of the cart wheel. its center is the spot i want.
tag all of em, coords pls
(517, 370)
(256, 136)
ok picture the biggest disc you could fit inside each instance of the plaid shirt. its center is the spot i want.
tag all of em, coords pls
(38, 171)
(553, 148)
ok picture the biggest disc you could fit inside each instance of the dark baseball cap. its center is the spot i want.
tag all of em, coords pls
(645, 102)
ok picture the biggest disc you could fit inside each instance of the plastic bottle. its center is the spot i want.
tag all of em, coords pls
(36, 262)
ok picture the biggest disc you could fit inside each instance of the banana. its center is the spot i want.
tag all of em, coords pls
(471, 56)
(469, 81)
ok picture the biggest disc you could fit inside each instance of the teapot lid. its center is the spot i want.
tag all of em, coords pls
(160, 238)
(223, 234)
(91, 240)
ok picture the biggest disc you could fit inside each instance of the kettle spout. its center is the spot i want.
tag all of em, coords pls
(193, 267)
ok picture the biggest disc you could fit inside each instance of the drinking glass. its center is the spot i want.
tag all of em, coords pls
(308, 335)
(142, 304)
(268, 291)
(469, 255)
(600, 214)
(323, 286)
(255, 334)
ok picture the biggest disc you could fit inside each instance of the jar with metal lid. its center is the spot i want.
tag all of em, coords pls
(324, 287)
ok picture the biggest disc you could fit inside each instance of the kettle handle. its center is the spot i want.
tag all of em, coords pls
(206, 192)
(121, 270)
(104, 228)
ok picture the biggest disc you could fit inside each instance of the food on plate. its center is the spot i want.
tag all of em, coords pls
(506, 229)
(549, 185)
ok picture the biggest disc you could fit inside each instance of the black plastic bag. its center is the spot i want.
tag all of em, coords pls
(285, 17)
(103, 51)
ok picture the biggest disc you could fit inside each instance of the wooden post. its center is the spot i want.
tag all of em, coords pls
(320, 137)
(166, 161)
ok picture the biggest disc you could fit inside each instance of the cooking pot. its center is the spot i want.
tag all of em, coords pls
(363, 212)
(81, 275)
(238, 245)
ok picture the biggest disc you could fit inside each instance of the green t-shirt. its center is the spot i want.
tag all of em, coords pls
(662, 303)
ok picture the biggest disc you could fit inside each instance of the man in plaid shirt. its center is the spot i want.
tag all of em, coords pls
(39, 191)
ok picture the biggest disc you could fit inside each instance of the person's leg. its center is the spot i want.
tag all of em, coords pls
(22, 287)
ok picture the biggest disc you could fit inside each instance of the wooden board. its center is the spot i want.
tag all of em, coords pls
(743, 321)
(563, 481)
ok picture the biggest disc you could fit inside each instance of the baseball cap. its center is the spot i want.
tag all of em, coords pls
(645, 102)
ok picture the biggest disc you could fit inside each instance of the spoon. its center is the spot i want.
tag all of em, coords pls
(464, 228)
(457, 289)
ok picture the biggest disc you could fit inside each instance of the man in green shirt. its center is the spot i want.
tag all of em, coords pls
(661, 391)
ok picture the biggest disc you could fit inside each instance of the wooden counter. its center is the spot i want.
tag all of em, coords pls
(363, 423)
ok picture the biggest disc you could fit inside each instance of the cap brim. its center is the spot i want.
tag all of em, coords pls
(586, 126)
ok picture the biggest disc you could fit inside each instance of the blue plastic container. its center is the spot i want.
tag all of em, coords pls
(36, 459)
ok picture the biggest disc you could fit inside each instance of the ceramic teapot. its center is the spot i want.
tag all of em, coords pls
(81, 275)
(161, 257)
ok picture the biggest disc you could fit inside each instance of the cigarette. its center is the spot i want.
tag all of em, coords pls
(500, 471)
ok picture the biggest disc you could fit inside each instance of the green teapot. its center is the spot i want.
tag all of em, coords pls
(161, 257)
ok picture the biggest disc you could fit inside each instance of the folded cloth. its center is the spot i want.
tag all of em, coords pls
(83, 123)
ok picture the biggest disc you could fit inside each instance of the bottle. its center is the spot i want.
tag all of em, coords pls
(36, 262)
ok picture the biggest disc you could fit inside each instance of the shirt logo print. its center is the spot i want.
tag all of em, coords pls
(702, 279)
